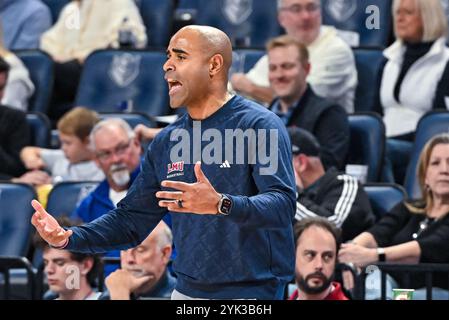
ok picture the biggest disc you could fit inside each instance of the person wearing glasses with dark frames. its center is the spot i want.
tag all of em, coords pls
(412, 232)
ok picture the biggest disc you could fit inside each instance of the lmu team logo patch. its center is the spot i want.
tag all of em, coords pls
(175, 169)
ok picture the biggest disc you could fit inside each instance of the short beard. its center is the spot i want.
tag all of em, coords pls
(303, 283)
(120, 175)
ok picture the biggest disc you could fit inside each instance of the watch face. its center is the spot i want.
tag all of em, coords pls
(225, 206)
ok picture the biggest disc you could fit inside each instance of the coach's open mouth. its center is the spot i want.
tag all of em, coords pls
(173, 86)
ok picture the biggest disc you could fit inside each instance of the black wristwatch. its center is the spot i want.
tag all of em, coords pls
(224, 205)
(381, 254)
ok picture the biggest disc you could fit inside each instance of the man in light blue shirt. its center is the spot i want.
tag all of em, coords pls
(23, 22)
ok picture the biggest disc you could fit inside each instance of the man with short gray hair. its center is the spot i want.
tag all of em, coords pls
(117, 153)
(144, 272)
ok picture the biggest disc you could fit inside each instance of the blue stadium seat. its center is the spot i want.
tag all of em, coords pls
(367, 143)
(111, 80)
(431, 123)
(62, 200)
(248, 23)
(15, 218)
(65, 196)
(158, 19)
(384, 196)
(40, 66)
(245, 59)
(55, 7)
(40, 128)
(369, 64)
(356, 16)
(187, 4)
(133, 119)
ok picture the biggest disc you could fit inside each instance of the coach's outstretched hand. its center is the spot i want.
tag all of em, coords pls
(199, 197)
(47, 226)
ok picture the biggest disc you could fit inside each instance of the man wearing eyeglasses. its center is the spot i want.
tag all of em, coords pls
(118, 154)
(333, 74)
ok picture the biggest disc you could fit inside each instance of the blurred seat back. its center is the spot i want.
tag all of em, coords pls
(118, 81)
(367, 143)
(364, 23)
(15, 218)
(244, 60)
(133, 119)
(431, 124)
(158, 19)
(249, 23)
(56, 7)
(65, 196)
(40, 66)
(369, 64)
(40, 128)
(384, 196)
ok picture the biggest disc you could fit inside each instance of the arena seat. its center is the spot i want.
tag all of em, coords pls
(384, 196)
(369, 64)
(367, 143)
(357, 21)
(15, 218)
(120, 81)
(133, 119)
(245, 59)
(247, 23)
(40, 129)
(65, 196)
(40, 66)
(55, 7)
(158, 19)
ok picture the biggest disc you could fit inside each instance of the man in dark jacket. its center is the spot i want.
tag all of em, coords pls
(297, 104)
(331, 194)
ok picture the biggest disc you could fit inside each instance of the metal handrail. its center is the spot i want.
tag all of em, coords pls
(7, 263)
(427, 268)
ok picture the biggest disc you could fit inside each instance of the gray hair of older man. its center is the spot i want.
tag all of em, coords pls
(110, 123)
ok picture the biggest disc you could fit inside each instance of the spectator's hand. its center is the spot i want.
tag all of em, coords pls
(35, 178)
(47, 226)
(360, 256)
(348, 280)
(31, 158)
(121, 283)
(143, 133)
(241, 83)
(199, 197)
